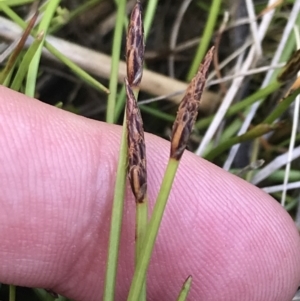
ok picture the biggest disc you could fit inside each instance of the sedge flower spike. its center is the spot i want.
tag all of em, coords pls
(135, 47)
(188, 109)
(137, 173)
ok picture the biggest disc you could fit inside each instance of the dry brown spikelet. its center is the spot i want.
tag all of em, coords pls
(135, 46)
(188, 109)
(137, 172)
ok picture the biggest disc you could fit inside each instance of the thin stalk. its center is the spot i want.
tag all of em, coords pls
(149, 16)
(185, 289)
(152, 230)
(206, 38)
(276, 176)
(157, 113)
(254, 156)
(12, 59)
(120, 103)
(116, 50)
(34, 65)
(281, 107)
(116, 220)
(23, 67)
(141, 228)
(8, 77)
(12, 293)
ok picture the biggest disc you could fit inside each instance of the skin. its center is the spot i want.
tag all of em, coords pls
(57, 178)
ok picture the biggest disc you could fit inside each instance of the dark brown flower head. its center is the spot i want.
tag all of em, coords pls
(135, 46)
(188, 109)
(137, 172)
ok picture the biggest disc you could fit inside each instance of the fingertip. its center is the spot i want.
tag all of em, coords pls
(235, 240)
(231, 236)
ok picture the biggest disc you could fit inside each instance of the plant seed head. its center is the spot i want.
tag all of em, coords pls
(188, 109)
(135, 47)
(137, 172)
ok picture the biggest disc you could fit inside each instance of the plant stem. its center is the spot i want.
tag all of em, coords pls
(206, 38)
(34, 65)
(152, 230)
(116, 50)
(116, 220)
(185, 289)
(12, 293)
(141, 228)
(23, 67)
(149, 15)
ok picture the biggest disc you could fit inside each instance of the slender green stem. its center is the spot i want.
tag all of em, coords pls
(116, 50)
(12, 293)
(141, 228)
(276, 176)
(23, 67)
(281, 107)
(157, 113)
(120, 103)
(16, 52)
(34, 65)
(116, 220)
(149, 15)
(206, 38)
(185, 289)
(254, 155)
(152, 230)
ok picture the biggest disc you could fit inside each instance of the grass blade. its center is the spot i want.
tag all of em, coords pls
(206, 38)
(12, 59)
(34, 65)
(185, 289)
(23, 67)
(116, 221)
(116, 50)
